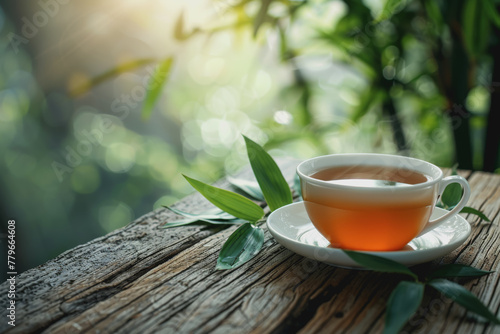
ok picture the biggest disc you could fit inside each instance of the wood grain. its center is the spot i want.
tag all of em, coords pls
(144, 279)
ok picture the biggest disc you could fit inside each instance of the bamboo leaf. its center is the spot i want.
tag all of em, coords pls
(453, 192)
(476, 29)
(434, 13)
(468, 209)
(261, 16)
(232, 203)
(452, 195)
(462, 296)
(234, 221)
(122, 68)
(272, 183)
(241, 246)
(184, 222)
(179, 28)
(378, 263)
(492, 12)
(156, 84)
(214, 217)
(403, 302)
(367, 98)
(181, 222)
(209, 214)
(391, 7)
(484, 30)
(248, 187)
(457, 270)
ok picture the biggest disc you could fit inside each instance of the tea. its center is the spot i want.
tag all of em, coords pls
(370, 176)
(366, 221)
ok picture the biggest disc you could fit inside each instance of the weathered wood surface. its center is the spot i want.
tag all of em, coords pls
(143, 279)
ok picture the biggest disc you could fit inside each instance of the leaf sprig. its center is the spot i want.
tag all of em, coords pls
(406, 298)
(246, 241)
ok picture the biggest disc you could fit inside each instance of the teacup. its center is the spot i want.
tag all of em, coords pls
(374, 202)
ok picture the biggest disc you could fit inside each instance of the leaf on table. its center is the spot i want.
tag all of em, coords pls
(464, 297)
(248, 187)
(214, 213)
(241, 246)
(403, 302)
(155, 86)
(184, 222)
(232, 203)
(468, 209)
(181, 222)
(457, 270)
(272, 183)
(378, 263)
(212, 216)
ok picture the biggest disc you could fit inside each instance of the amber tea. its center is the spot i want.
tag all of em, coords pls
(348, 222)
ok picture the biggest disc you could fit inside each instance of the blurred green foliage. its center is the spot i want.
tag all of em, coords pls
(302, 78)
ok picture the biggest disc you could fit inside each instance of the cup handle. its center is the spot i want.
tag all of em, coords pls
(465, 197)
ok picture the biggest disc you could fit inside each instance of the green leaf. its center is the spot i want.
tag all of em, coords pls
(403, 302)
(378, 263)
(181, 222)
(468, 209)
(248, 187)
(261, 16)
(184, 222)
(453, 192)
(223, 221)
(469, 24)
(476, 28)
(241, 246)
(492, 12)
(365, 101)
(209, 214)
(122, 68)
(214, 217)
(272, 183)
(155, 86)
(433, 11)
(179, 28)
(391, 7)
(284, 52)
(232, 203)
(483, 34)
(462, 296)
(457, 270)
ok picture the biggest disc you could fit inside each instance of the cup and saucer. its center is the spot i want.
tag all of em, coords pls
(291, 227)
(381, 204)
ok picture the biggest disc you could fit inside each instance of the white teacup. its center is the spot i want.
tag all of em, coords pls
(384, 203)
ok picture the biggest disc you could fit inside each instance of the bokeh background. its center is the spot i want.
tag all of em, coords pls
(81, 156)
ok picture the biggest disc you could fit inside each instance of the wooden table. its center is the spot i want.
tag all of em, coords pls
(144, 279)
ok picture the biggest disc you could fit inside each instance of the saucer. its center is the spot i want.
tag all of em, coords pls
(291, 227)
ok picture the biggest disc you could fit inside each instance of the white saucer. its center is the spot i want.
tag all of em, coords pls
(291, 227)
